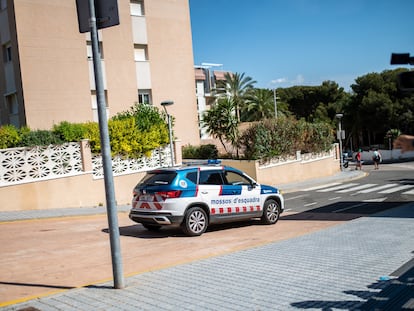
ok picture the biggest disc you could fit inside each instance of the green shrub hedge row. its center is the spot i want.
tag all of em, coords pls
(132, 133)
(272, 138)
(284, 136)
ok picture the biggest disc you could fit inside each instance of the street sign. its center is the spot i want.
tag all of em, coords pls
(106, 12)
(340, 134)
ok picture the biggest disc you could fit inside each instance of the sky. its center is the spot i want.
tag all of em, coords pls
(282, 43)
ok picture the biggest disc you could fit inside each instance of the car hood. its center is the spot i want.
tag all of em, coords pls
(268, 189)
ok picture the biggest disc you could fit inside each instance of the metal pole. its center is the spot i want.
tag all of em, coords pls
(340, 145)
(171, 141)
(274, 100)
(106, 156)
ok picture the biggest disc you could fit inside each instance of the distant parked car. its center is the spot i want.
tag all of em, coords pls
(198, 195)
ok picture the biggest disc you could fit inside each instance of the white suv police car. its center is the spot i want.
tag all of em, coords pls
(195, 196)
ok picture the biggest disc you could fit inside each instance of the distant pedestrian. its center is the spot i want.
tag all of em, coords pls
(377, 158)
(358, 158)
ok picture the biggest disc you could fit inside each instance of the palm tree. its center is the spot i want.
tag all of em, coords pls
(221, 123)
(259, 105)
(235, 86)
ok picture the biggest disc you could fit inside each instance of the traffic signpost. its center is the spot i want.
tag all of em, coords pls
(94, 15)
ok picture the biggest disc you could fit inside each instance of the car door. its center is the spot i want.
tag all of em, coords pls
(245, 194)
(211, 185)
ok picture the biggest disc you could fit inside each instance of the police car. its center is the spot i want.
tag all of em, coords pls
(197, 195)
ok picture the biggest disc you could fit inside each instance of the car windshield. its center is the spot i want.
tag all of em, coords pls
(158, 178)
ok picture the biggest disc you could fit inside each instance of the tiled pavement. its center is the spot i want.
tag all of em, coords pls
(339, 268)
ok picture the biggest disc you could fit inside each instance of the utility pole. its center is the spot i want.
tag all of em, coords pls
(108, 16)
(274, 100)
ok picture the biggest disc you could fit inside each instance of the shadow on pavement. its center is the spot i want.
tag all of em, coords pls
(348, 210)
(138, 231)
(395, 294)
(36, 285)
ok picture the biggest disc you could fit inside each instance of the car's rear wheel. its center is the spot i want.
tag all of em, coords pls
(195, 222)
(271, 212)
(151, 227)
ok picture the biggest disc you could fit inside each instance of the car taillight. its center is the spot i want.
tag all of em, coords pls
(169, 194)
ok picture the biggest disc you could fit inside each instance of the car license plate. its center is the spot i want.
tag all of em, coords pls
(146, 197)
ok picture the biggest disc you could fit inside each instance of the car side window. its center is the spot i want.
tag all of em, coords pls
(210, 177)
(232, 178)
(192, 176)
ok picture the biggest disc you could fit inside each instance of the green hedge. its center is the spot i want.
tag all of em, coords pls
(133, 133)
(200, 152)
(284, 136)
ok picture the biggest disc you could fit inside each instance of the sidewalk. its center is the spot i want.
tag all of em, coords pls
(358, 265)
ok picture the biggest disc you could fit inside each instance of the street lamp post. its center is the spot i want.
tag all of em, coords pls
(340, 135)
(274, 100)
(165, 104)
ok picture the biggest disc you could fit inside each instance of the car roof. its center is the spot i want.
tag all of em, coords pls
(194, 165)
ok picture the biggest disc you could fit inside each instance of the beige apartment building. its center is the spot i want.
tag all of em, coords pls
(47, 76)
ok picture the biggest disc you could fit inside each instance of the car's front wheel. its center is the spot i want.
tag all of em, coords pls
(195, 222)
(271, 212)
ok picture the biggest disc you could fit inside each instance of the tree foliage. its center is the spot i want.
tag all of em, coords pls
(236, 87)
(315, 103)
(376, 106)
(221, 122)
(284, 136)
(260, 104)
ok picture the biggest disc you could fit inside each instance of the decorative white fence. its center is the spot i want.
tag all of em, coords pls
(24, 165)
(120, 166)
(303, 157)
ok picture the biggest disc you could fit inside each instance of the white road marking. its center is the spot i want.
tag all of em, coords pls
(323, 186)
(335, 198)
(349, 207)
(378, 188)
(338, 187)
(310, 204)
(392, 190)
(375, 200)
(296, 197)
(357, 188)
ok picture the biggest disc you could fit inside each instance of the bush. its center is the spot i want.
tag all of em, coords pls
(9, 137)
(146, 128)
(284, 136)
(40, 138)
(70, 132)
(201, 152)
(124, 137)
(93, 135)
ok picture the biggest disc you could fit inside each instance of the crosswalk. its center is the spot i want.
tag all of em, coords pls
(362, 188)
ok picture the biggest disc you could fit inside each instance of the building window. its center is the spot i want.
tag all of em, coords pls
(89, 49)
(137, 7)
(94, 104)
(13, 108)
(7, 53)
(144, 97)
(140, 53)
(3, 4)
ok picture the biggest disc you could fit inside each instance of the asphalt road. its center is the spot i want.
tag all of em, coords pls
(388, 187)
